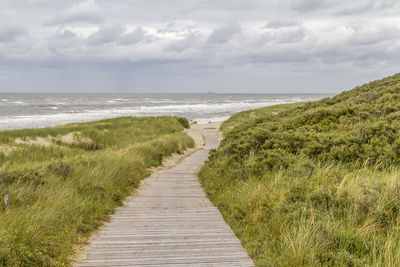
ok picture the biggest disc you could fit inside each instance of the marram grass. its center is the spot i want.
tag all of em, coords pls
(62, 189)
(315, 183)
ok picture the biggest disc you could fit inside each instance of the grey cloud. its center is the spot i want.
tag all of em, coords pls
(291, 36)
(282, 55)
(282, 35)
(343, 7)
(309, 5)
(161, 42)
(376, 35)
(106, 34)
(133, 37)
(191, 40)
(224, 33)
(61, 43)
(65, 35)
(280, 23)
(369, 6)
(177, 27)
(354, 56)
(86, 11)
(9, 32)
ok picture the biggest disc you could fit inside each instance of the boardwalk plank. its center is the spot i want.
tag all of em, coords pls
(170, 222)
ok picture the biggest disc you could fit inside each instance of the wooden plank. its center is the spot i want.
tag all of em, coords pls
(170, 222)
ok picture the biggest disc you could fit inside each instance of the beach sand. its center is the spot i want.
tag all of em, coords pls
(196, 132)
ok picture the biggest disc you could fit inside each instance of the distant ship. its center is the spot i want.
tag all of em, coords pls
(210, 93)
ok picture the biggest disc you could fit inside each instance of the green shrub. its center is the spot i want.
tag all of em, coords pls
(314, 183)
(184, 122)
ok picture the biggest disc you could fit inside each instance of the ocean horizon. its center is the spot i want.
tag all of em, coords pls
(34, 110)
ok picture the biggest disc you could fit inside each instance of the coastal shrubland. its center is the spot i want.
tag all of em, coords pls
(64, 182)
(314, 183)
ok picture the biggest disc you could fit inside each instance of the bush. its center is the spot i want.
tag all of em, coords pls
(314, 183)
(184, 122)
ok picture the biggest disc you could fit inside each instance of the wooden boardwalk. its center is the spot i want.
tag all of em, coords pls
(170, 222)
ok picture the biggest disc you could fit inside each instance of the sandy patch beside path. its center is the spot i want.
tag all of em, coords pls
(196, 131)
(70, 138)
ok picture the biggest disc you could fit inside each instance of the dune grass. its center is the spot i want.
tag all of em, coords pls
(62, 189)
(314, 183)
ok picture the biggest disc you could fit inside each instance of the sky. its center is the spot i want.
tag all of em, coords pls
(196, 46)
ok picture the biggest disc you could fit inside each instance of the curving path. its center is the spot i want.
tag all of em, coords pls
(169, 222)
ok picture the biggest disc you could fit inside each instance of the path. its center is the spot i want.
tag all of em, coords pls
(169, 222)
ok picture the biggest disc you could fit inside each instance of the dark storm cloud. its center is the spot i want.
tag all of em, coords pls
(220, 45)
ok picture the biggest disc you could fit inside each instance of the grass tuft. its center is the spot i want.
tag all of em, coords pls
(61, 191)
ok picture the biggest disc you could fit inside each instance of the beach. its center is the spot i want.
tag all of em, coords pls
(40, 110)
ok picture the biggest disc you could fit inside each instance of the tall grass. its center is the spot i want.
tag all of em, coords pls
(60, 193)
(332, 216)
(314, 184)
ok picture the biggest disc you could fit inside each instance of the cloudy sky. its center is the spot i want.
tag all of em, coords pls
(274, 46)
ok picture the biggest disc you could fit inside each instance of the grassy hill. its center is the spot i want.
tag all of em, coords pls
(314, 183)
(64, 182)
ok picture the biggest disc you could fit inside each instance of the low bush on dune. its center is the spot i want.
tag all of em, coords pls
(315, 183)
(64, 182)
(184, 122)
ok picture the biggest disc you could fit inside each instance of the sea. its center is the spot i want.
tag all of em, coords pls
(34, 110)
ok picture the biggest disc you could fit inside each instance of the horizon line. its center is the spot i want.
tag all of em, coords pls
(165, 93)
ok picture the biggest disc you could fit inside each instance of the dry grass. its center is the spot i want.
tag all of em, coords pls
(61, 192)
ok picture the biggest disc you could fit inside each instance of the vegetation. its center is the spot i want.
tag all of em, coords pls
(64, 182)
(314, 183)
